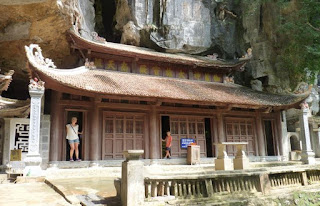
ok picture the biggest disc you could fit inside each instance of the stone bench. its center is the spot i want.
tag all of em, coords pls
(223, 162)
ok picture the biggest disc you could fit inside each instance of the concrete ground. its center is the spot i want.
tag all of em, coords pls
(81, 185)
(35, 194)
(87, 191)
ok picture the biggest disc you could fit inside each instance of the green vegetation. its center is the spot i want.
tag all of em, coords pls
(297, 42)
(299, 29)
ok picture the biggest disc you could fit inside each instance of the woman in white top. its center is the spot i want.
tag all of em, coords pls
(73, 138)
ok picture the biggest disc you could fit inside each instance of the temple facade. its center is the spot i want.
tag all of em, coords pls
(127, 97)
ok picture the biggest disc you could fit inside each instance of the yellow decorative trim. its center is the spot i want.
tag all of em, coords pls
(197, 75)
(216, 78)
(182, 75)
(124, 67)
(207, 77)
(169, 72)
(111, 65)
(98, 63)
(143, 69)
(156, 71)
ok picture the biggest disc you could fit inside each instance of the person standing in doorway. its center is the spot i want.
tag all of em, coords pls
(73, 138)
(168, 145)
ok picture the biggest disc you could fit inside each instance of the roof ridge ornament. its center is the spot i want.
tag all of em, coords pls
(34, 53)
(36, 85)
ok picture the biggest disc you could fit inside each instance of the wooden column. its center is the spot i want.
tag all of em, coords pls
(260, 136)
(55, 133)
(214, 136)
(146, 138)
(221, 133)
(95, 140)
(154, 140)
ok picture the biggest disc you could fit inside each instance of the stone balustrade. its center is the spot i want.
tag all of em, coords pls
(313, 176)
(193, 186)
(153, 185)
(285, 179)
(199, 188)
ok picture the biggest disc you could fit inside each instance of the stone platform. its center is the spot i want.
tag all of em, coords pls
(80, 183)
(254, 162)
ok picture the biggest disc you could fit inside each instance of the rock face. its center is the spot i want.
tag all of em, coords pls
(130, 34)
(15, 31)
(188, 26)
(44, 22)
(227, 28)
(224, 27)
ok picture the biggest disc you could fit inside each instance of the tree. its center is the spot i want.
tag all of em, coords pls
(301, 28)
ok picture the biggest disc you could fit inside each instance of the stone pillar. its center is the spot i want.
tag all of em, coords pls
(154, 140)
(223, 162)
(33, 159)
(260, 136)
(95, 143)
(132, 179)
(241, 161)
(316, 131)
(285, 141)
(307, 155)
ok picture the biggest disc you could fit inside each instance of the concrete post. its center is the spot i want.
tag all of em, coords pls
(33, 159)
(132, 179)
(264, 184)
(307, 155)
(285, 140)
(317, 141)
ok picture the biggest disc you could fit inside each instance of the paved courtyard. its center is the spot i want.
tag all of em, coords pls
(35, 194)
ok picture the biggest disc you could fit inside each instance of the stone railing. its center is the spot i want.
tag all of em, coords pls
(285, 179)
(197, 188)
(261, 181)
(193, 186)
(313, 176)
(140, 184)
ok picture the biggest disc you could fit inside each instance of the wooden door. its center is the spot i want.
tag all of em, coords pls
(240, 130)
(122, 131)
(187, 127)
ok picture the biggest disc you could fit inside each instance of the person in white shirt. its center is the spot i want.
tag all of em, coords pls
(73, 138)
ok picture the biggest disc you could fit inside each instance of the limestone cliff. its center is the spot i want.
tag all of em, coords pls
(225, 27)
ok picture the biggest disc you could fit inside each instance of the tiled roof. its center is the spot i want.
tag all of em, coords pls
(137, 85)
(105, 82)
(144, 53)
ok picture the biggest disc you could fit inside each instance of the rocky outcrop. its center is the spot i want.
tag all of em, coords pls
(15, 31)
(226, 28)
(44, 22)
(188, 26)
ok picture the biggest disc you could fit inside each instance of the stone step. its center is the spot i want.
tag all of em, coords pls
(54, 173)
(118, 163)
(274, 164)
